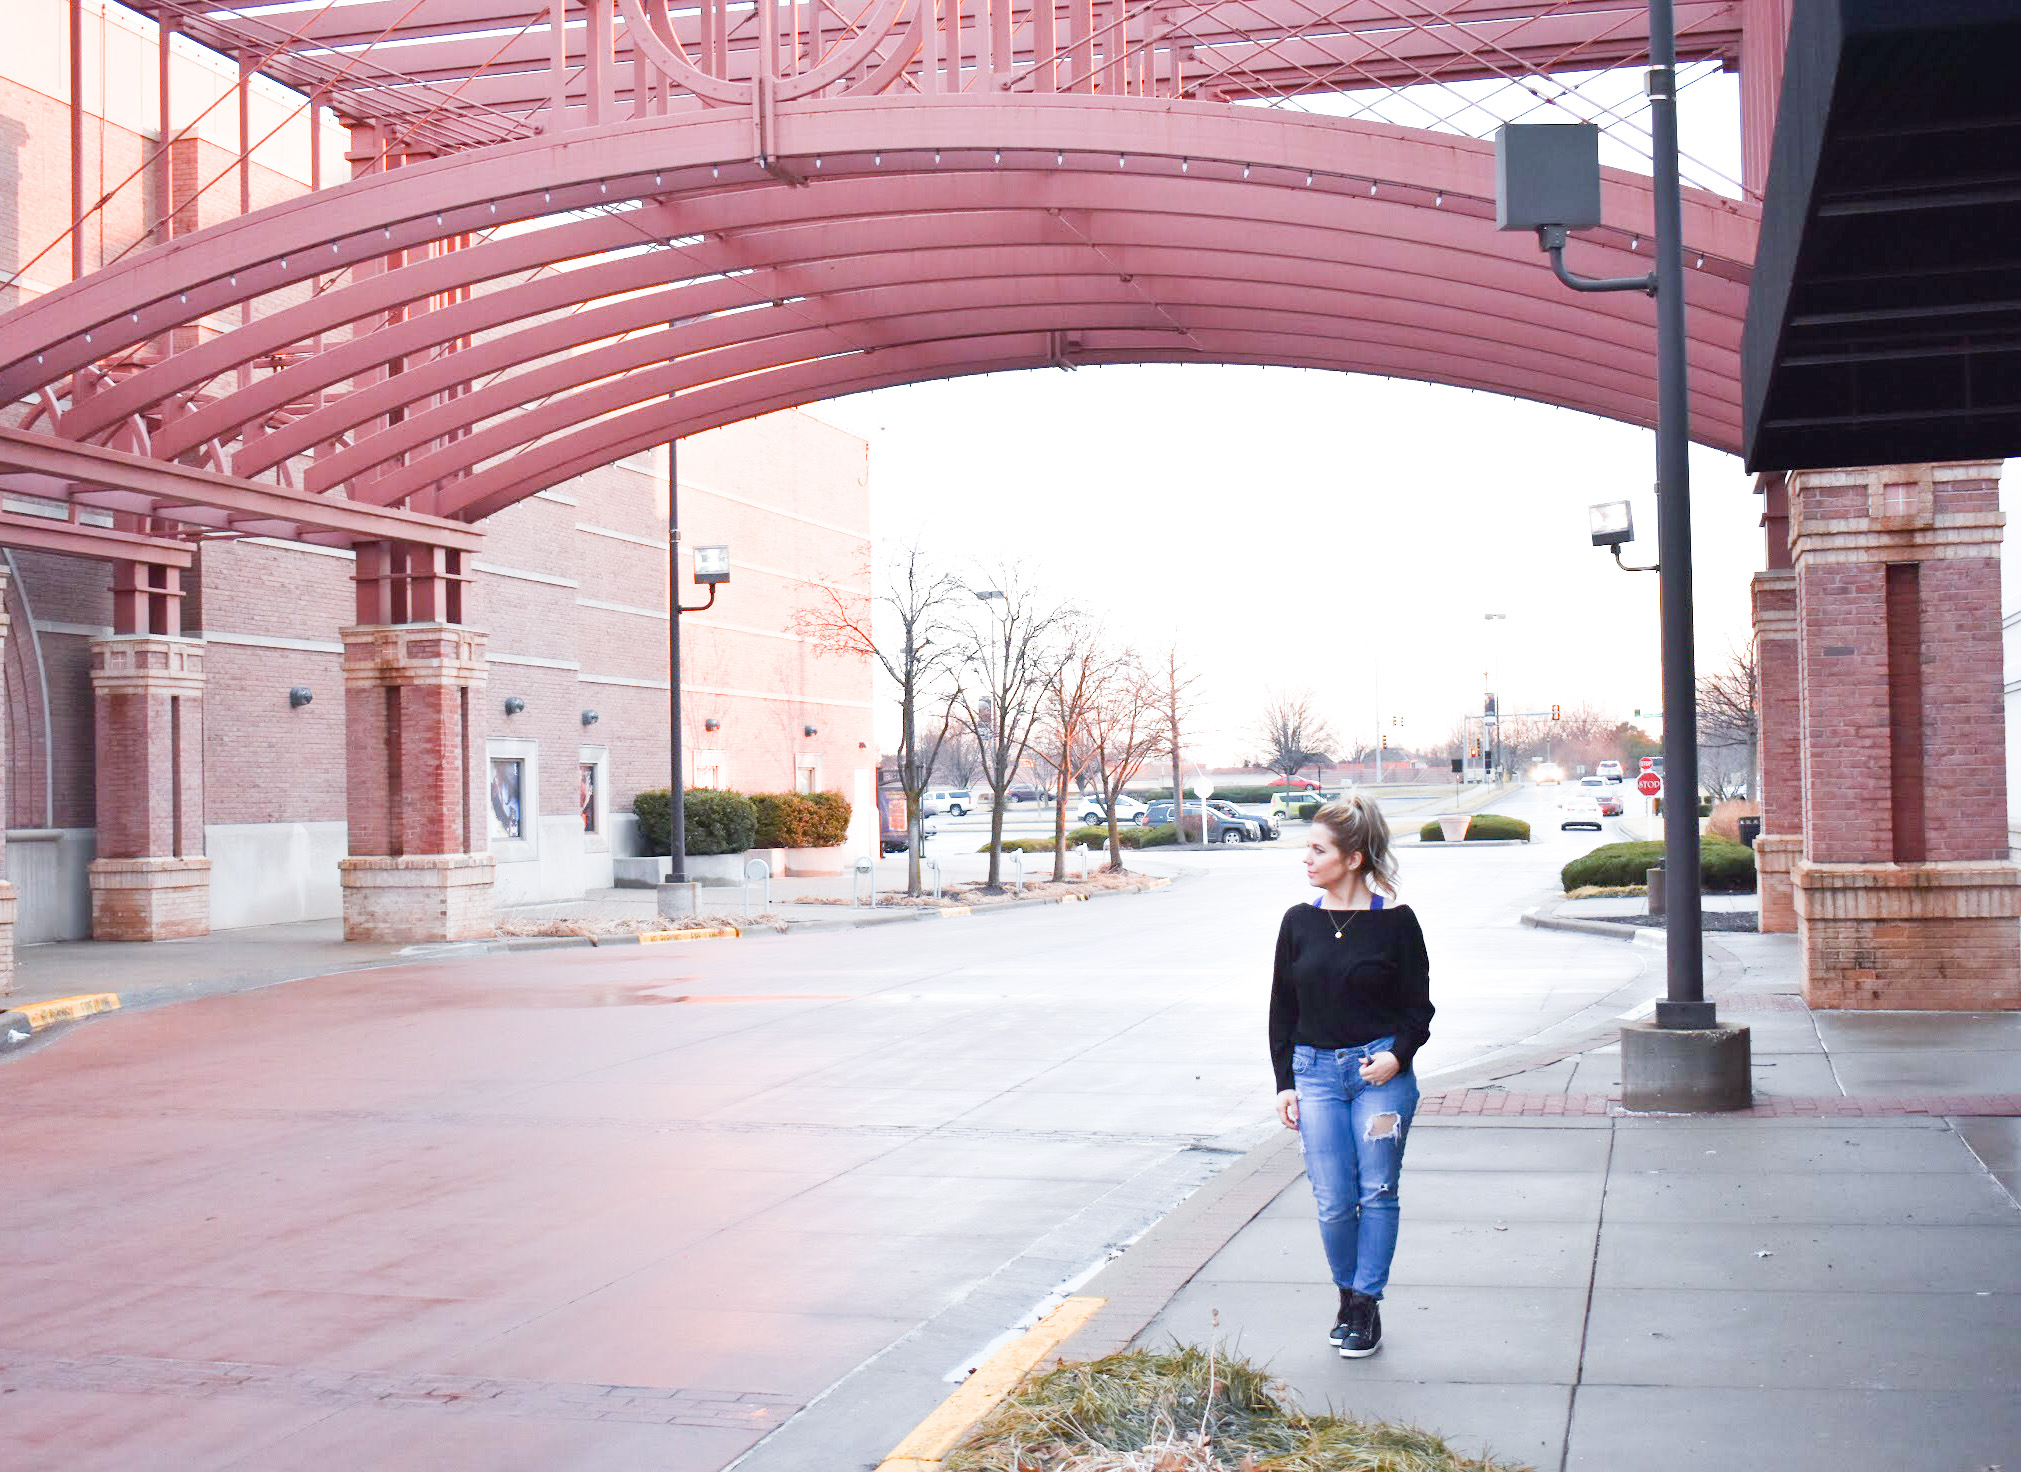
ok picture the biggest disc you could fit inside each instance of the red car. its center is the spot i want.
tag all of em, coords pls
(1304, 784)
(1610, 804)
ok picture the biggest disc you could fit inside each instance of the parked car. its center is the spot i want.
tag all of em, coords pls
(1287, 804)
(1220, 827)
(1611, 770)
(956, 802)
(1019, 793)
(1269, 825)
(1579, 809)
(1305, 783)
(1090, 813)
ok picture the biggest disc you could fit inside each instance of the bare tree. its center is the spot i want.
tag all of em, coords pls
(960, 761)
(1293, 735)
(1009, 654)
(1126, 729)
(919, 653)
(1729, 720)
(1171, 689)
(1061, 736)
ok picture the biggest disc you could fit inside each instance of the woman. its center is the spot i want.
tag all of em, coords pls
(1350, 1005)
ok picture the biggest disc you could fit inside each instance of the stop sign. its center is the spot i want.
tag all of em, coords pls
(1649, 764)
(1649, 784)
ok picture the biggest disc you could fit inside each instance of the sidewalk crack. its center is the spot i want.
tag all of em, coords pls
(1586, 1317)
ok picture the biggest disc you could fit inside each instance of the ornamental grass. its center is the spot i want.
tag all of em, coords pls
(1187, 1410)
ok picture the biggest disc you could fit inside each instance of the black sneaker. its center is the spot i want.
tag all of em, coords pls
(1364, 1329)
(1341, 1319)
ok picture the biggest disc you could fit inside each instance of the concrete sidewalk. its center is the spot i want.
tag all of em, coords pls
(1830, 1281)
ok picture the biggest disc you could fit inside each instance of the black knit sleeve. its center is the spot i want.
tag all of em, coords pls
(1414, 983)
(1283, 1008)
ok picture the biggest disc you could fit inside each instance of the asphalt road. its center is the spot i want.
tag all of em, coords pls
(667, 1207)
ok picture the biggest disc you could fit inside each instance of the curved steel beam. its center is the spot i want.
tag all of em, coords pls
(694, 153)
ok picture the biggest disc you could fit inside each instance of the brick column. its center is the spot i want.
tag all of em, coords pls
(1904, 895)
(6, 889)
(1779, 752)
(416, 870)
(150, 880)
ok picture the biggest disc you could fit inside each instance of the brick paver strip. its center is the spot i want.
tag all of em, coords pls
(1504, 1103)
(560, 1401)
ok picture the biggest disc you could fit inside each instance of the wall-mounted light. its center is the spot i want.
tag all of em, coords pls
(712, 724)
(810, 730)
(300, 696)
(589, 718)
(514, 705)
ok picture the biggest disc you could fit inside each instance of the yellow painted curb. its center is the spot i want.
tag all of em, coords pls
(655, 937)
(65, 1009)
(936, 1436)
(948, 912)
(1070, 899)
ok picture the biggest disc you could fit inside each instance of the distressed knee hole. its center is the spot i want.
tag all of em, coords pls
(1383, 1127)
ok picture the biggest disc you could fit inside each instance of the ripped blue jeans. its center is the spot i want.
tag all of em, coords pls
(1353, 1135)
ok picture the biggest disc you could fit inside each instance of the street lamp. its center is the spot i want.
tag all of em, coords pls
(676, 897)
(1491, 751)
(1613, 523)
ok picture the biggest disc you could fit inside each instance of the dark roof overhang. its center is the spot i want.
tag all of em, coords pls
(1884, 323)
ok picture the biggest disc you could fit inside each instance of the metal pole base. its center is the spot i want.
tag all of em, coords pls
(1685, 1070)
(678, 901)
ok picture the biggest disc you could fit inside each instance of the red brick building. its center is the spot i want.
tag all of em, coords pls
(569, 592)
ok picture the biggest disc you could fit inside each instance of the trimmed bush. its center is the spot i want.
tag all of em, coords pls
(1221, 794)
(831, 822)
(1724, 868)
(1484, 826)
(716, 822)
(1129, 835)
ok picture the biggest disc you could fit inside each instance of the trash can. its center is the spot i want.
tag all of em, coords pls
(1750, 830)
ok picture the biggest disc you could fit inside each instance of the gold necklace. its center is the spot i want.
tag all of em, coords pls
(1342, 928)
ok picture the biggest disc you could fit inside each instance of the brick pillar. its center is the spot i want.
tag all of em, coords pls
(416, 870)
(150, 880)
(1904, 894)
(6, 889)
(1779, 748)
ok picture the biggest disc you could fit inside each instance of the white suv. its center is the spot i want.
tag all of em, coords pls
(956, 802)
(1610, 770)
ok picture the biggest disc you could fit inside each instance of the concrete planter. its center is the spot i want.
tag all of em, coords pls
(811, 862)
(1454, 829)
(713, 869)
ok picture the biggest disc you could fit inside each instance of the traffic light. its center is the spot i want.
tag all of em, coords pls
(1554, 712)
(1385, 741)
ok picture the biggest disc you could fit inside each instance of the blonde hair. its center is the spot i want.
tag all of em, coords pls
(1358, 827)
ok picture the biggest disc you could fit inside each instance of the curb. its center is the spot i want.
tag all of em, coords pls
(1643, 935)
(19, 1024)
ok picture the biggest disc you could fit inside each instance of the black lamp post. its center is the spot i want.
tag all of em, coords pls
(712, 569)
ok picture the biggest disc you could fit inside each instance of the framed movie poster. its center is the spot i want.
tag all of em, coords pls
(586, 790)
(508, 789)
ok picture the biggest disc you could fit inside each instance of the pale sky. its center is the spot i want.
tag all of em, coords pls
(1297, 529)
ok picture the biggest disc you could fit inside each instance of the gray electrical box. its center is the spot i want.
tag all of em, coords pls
(1547, 174)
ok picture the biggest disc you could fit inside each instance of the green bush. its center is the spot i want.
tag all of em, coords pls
(1129, 835)
(716, 822)
(831, 821)
(1724, 868)
(800, 819)
(1221, 794)
(1484, 826)
(1305, 810)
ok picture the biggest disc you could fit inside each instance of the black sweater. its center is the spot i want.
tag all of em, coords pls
(1372, 982)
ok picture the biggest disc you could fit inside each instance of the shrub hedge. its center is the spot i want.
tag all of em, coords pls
(1221, 794)
(717, 822)
(1484, 826)
(800, 820)
(1095, 838)
(1724, 868)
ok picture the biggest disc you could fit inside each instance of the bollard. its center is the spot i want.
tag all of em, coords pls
(1017, 858)
(761, 870)
(1655, 878)
(865, 869)
(934, 864)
